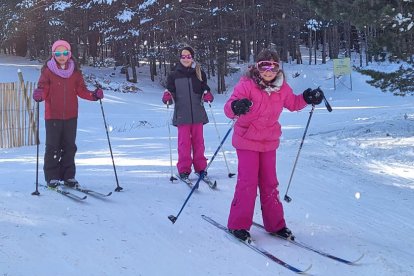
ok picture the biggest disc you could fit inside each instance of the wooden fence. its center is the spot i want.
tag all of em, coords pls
(17, 114)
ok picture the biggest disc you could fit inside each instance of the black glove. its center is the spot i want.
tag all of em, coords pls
(314, 96)
(241, 107)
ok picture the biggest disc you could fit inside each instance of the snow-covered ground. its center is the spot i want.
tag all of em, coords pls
(352, 191)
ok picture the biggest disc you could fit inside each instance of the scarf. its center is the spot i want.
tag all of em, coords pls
(271, 86)
(64, 73)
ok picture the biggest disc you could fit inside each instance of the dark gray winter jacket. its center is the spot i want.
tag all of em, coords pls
(187, 91)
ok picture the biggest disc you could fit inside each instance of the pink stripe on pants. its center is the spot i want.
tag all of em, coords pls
(256, 169)
(190, 138)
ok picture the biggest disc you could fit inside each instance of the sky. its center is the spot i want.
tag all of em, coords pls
(352, 190)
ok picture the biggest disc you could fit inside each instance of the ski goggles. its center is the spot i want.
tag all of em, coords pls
(64, 53)
(186, 57)
(265, 65)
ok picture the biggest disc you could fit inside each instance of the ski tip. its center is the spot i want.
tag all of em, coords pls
(305, 271)
(83, 198)
(110, 193)
(357, 260)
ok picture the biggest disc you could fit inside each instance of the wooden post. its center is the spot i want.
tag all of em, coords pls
(2, 128)
(7, 108)
(28, 101)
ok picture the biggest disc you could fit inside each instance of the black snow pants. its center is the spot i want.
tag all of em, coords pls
(59, 162)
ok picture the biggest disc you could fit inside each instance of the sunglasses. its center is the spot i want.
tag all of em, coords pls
(186, 57)
(58, 54)
(271, 66)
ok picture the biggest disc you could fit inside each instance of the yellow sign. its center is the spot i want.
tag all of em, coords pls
(342, 66)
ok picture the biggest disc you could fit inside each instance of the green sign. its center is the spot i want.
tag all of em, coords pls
(342, 66)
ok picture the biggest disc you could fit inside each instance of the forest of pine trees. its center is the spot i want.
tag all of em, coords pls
(222, 31)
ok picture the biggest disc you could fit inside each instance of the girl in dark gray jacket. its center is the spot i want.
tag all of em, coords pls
(187, 88)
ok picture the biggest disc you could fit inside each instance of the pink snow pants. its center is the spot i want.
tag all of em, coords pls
(256, 169)
(190, 136)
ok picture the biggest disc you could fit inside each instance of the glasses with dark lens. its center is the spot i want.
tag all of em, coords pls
(271, 66)
(65, 53)
(186, 57)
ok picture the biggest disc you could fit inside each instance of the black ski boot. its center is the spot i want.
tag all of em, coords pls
(184, 176)
(53, 183)
(205, 177)
(241, 234)
(285, 233)
(71, 182)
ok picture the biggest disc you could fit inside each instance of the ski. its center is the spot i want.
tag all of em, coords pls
(65, 193)
(307, 247)
(90, 192)
(208, 181)
(258, 249)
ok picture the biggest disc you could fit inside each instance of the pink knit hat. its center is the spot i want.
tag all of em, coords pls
(61, 43)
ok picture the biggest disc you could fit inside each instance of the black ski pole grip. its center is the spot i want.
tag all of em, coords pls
(328, 106)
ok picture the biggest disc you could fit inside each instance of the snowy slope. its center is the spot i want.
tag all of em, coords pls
(352, 191)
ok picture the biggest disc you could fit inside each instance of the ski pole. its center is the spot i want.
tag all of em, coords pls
(327, 105)
(174, 218)
(201, 176)
(221, 144)
(329, 108)
(118, 188)
(286, 197)
(218, 135)
(172, 178)
(37, 150)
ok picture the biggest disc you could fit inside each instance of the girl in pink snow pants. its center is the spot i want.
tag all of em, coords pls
(187, 88)
(257, 101)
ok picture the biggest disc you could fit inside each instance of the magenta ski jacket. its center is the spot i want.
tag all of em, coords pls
(259, 129)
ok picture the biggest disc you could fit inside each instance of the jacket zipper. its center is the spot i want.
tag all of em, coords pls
(64, 99)
(191, 100)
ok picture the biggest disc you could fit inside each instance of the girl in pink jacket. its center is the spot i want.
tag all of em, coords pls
(257, 101)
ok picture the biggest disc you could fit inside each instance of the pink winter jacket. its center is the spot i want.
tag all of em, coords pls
(259, 129)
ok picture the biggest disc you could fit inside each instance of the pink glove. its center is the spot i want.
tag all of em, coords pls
(98, 94)
(208, 97)
(38, 95)
(167, 97)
